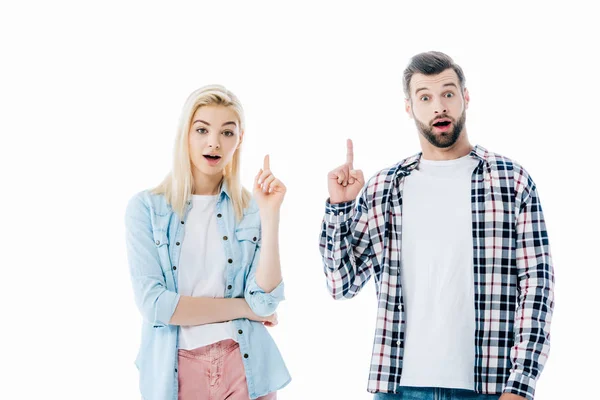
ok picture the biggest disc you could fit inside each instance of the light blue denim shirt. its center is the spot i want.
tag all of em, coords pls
(154, 234)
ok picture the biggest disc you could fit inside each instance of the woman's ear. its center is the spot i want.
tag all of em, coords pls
(241, 140)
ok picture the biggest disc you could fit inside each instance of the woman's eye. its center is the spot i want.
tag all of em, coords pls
(201, 130)
(228, 133)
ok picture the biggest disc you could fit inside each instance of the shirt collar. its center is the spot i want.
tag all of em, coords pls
(223, 191)
(412, 162)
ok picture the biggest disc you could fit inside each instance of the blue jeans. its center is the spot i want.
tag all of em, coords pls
(429, 393)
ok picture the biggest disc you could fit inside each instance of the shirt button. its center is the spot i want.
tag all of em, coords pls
(177, 244)
(246, 355)
(157, 242)
(398, 343)
(174, 267)
(182, 222)
(229, 287)
(400, 307)
(341, 213)
(254, 239)
(240, 331)
(175, 369)
(224, 237)
(219, 215)
(230, 261)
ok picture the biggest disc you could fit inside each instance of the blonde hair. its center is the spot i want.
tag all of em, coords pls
(178, 186)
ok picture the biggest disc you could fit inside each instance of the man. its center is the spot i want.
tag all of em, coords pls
(456, 240)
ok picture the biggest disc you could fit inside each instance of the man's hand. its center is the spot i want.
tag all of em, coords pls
(344, 182)
(511, 396)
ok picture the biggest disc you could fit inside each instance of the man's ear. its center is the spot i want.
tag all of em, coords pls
(407, 108)
(467, 97)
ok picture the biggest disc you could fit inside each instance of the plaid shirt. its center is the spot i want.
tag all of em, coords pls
(512, 267)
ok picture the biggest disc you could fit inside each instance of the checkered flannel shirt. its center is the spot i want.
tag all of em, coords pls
(512, 266)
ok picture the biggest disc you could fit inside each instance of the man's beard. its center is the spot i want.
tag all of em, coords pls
(444, 139)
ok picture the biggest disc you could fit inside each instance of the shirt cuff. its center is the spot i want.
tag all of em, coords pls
(339, 213)
(165, 307)
(520, 384)
(262, 303)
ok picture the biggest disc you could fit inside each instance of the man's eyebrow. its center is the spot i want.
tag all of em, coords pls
(444, 85)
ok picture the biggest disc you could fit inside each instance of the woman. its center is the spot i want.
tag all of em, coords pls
(204, 263)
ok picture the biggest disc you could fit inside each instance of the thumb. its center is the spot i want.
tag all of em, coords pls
(358, 175)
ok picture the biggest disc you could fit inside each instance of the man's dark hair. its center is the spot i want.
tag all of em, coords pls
(431, 63)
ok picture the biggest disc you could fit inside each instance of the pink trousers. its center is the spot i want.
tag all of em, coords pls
(214, 372)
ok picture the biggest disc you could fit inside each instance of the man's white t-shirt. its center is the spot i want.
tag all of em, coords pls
(437, 275)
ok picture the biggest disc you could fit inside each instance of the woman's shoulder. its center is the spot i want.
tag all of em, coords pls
(148, 201)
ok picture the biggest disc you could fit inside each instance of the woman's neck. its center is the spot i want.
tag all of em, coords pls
(207, 185)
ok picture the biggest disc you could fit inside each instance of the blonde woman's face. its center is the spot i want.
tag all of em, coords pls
(213, 139)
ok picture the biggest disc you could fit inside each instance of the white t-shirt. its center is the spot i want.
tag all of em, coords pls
(202, 269)
(437, 275)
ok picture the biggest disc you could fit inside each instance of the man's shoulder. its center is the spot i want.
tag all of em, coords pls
(505, 166)
(386, 175)
(501, 162)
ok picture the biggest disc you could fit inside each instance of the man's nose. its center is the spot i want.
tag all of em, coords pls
(439, 107)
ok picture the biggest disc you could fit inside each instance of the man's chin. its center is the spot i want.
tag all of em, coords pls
(441, 140)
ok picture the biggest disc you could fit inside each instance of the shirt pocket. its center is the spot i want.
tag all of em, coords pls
(161, 242)
(249, 240)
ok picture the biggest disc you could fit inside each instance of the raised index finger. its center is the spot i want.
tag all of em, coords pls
(266, 163)
(349, 152)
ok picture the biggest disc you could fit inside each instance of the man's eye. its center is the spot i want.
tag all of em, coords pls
(449, 94)
(424, 98)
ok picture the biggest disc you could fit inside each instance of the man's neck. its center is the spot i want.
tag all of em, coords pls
(459, 149)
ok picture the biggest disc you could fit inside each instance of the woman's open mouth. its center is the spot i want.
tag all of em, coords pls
(212, 159)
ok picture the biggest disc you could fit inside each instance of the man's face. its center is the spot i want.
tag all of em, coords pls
(438, 107)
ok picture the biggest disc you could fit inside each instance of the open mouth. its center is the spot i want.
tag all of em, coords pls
(442, 123)
(212, 160)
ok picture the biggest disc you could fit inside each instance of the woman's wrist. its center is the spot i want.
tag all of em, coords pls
(243, 309)
(270, 217)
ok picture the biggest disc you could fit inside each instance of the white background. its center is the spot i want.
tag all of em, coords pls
(90, 95)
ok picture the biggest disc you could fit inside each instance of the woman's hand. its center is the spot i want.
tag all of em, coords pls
(268, 191)
(269, 321)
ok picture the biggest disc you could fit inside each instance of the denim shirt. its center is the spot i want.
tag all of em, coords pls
(154, 234)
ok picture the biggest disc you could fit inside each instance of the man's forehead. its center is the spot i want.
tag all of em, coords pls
(430, 81)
